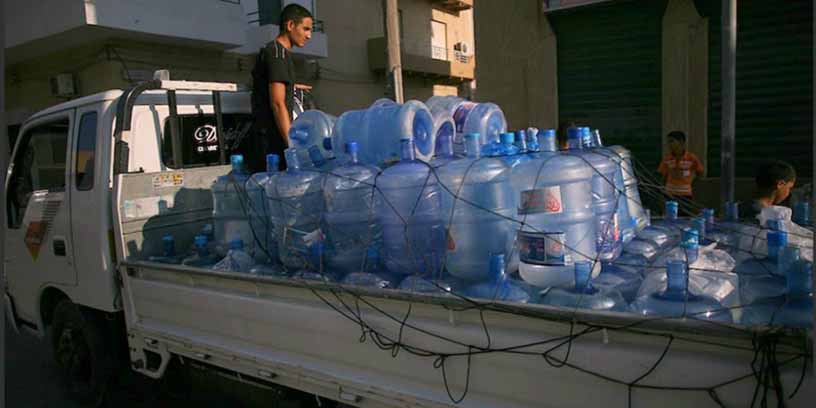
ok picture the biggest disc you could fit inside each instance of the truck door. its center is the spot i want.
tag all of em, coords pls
(87, 188)
(37, 249)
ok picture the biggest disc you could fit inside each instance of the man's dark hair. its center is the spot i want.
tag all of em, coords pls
(769, 173)
(295, 13)
(677, 135)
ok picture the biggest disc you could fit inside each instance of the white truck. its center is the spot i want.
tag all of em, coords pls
(95, 182)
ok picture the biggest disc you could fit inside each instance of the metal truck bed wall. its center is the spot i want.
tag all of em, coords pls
(155, 204)
(339, 342)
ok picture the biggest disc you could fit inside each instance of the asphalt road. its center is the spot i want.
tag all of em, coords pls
(33, 381)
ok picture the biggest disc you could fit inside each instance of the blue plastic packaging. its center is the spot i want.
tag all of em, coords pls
(584, 295)
(408, 209)
(677, 302)
(498, 286)
(236, 260)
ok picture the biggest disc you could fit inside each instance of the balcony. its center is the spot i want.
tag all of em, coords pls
(452, 6)
(436, 64)
(36, 28)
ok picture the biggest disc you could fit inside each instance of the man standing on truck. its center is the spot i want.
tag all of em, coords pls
(273, 89)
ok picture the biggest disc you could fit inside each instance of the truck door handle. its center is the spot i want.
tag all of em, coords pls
(58, 245)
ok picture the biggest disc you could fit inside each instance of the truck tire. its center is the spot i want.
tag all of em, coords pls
(82, 352)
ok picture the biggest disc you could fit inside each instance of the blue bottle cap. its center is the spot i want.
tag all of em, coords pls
(507, 138)
(352, 147)
(200, 241)
(707, 212)
(236, 244)
(272, 161)
(691, 238)
(237, 160)
(549, 132)
(573, 133)
(777, 238)
(676, 276)
(732, 211)
(472, 136)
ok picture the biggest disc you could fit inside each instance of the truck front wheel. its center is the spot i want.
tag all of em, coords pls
(81, 351)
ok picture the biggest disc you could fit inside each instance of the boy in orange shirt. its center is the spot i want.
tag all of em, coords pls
(679, 168)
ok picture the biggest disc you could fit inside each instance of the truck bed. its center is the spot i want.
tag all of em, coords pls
(386, 348)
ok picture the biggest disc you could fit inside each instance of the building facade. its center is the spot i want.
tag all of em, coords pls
(638, 69)
(62, 49)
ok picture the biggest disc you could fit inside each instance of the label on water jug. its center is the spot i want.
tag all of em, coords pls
(542, 200)
(543, 248)
(461, 115)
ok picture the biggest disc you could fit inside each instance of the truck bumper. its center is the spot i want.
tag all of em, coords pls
(11, 319)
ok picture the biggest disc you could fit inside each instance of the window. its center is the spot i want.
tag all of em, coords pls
(86, 152)
(199, 146)
(269, 11)
(439, 40)
(39, 164)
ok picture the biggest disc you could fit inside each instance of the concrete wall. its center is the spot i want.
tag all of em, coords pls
(517, 66)
(51, 17)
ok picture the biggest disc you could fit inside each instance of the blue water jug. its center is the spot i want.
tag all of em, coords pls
(498, 286)
(444, 151)
(372, 274)
(553, 197)
(584, 295)
(201, 257)
(627, 227)
(630, 183)
(801, 213)
(299, 195)
(261, 211)
(408, 209)
(379, 129)
(604, 202)
(314, 268)
(311, 134)
(776, 242)
(230, 207)
(168, 254)
(445, 133)
(477, 208)
(794, 308)
(532, 140)
(349, 192)
(624, 275)
(677, 302)
(486, 119)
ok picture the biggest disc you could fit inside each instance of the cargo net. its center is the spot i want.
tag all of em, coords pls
(306, 249)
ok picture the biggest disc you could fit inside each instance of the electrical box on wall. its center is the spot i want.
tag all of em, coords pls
(63, 85)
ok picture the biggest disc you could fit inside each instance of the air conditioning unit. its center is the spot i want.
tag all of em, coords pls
(463, 48)
(63, 85)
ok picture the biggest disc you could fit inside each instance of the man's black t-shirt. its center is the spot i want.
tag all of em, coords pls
(267, 138)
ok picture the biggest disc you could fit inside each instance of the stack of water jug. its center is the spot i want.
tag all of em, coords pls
(438, 198)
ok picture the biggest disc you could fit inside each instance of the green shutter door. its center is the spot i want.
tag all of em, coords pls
(774, 89)
(609, 70)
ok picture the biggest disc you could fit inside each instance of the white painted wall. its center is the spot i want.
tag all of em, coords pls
(206, 20)
(214, 21)
(27, 20)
